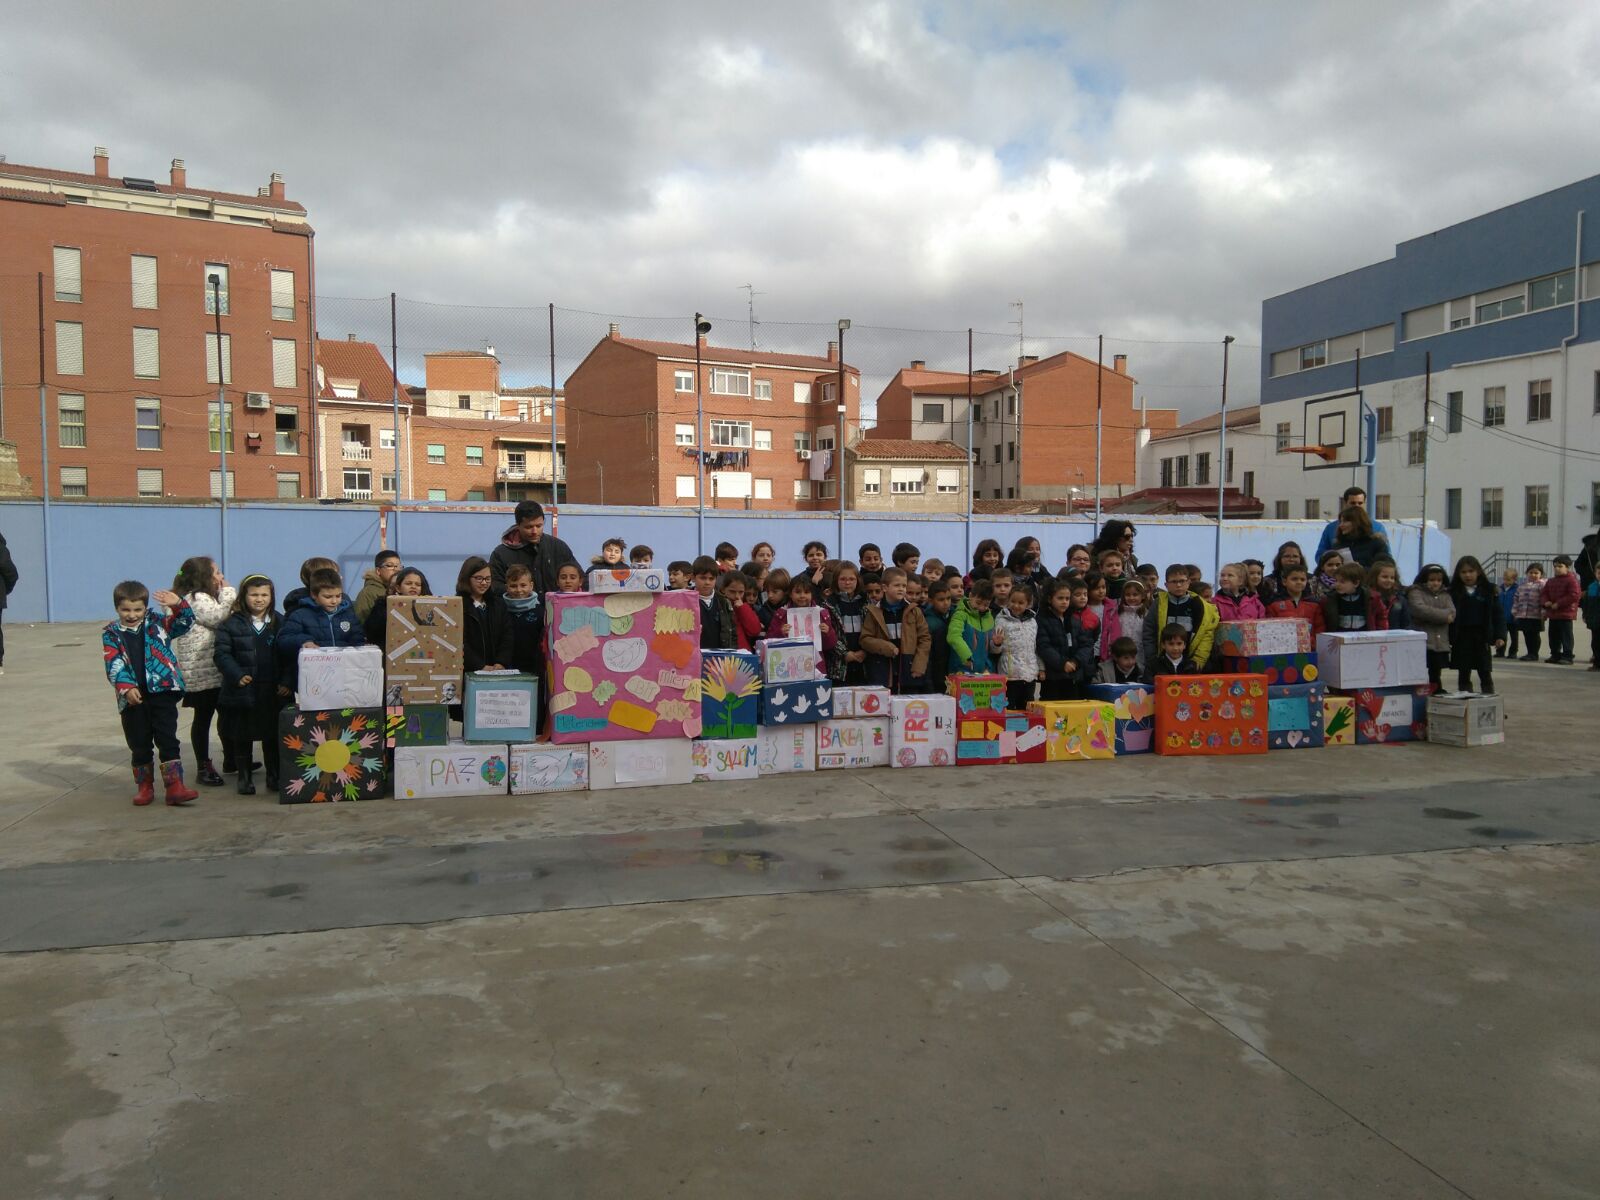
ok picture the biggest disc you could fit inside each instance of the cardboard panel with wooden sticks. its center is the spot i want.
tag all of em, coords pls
(422, 652)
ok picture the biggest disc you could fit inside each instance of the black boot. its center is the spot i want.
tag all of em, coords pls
(244, 786)
(207, 775)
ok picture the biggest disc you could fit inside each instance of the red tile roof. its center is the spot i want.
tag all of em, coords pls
(29, 196)
(20, 171)
(907, 448)
(724, 354)
(360, 361)
(1237, 418)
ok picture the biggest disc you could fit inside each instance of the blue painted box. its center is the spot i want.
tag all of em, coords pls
(500, 707)
(801, 702)
(1294, 716)
(1135, 709)
(1394, 714)
(730, 695)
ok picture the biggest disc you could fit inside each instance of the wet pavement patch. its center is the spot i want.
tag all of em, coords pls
(1450, 814)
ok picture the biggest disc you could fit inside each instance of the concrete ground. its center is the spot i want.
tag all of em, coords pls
(1331, 973)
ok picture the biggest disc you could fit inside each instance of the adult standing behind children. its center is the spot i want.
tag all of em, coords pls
(1353, 497)
(1357, 538)
(8, 584)
(527, 543)
(1117, 534)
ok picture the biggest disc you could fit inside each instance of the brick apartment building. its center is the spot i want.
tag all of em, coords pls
(771, 425)
(498, 448)
(1033, 425)
(131, 357)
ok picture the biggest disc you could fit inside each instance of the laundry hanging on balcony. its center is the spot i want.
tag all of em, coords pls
(821, 460)
(721, 460)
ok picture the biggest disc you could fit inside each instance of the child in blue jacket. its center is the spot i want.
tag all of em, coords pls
(143, 668)
(323, 618)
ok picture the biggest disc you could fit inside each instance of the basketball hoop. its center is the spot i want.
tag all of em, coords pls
(1325, 453)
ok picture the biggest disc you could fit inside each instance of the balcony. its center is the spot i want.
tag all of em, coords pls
(532, 473)
(358, 493)
(357, 452)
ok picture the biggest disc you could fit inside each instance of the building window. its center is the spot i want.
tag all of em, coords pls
(147, 423)
(1313, 509)
(682, 435)
(683, 381)
(284, 372)
(436, 453)
(802, 441)
(734, 434)
(217, 299)
(227, 427)
(438, 495)
(357, 482)
(148, 481)
(761, 389)
(1452, 508)
(227, 358)
(906, 481)
(474, 456)
(686, 487)
(1550, 291)
(1494, 406)
(146, 353)
(1280, 510)
(933, 414)
(1380, 507)
(517, 463)
(216, 485)
(947, 480)
(1227, 466)
(1166, 472)
(763, 439)
(871, 481)
(288, 485)
(1385, 415)
(1453, 407)
(763, 489)
(463, 403)
(1313, 355)
(144, 280)
(1536, 506)
(802, 393)
(997, 452)
(1506, 306)
(1281, 437)
(386, 439)
(1491, 511)
(386, 482)
(827, 393)
(282, 295)
(70, 421)
(802, 489)
(475, 494)
(729, 383)
(826, 489)
(1202, 469)
(69, 274)
(1416, 447)
(1011, 452)
(1538, 400)
(74, 481)
(1181, 471)
(69, 348)
(1249, 488)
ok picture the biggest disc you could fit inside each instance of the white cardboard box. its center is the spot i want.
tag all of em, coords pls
(922, 731)
(781, 749)
(340, 677)
(718, 759)
(539, 767)
(458, 769)
(860, 701)
(1381, 658)
(858, 743)
(650, 762)
(1466, 719)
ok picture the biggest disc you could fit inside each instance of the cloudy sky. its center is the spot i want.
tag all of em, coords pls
(1147, 170)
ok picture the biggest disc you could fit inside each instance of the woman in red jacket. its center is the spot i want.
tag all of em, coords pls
(1560, 603)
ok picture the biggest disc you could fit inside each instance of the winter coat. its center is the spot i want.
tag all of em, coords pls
(716, 624)
(1377, 616)
(1019, 657)
(938, 647)
(544, 558)
(967, 635)
(8, 573)
(1305, 609)
(161, 670)
(1432, 613)
(195, 648)
(1243, 607)
(1365, 551)
(1108, 673)
(778, 628)
(527, 636)
(486, 634)
(310, 622)
(375, 625)
(1162, 665)
(1396, 612)
(1330, 539)
(1061, 640)
(240, 651)
(890, 663)
(1118, 622)
(747, 627)
(372, 593)
(850, 610)
(1561, 596)
(1591, 605)
(1478, 625)
(1200, 638)
(1528, 603)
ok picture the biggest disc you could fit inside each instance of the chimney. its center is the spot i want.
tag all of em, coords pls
(833, 351)
(1119, 363)
(180, 175)
(918, 364)
(614, 331)
(276, 188)
(102, 163)
(349, 337)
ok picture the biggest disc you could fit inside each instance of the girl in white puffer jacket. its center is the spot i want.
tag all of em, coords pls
(202, 585)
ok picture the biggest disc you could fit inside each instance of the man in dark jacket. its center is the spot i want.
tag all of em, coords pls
(8, 583)
(527, 543)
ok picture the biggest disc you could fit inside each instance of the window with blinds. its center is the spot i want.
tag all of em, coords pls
(216, 485)
(69, 348)
(216, 300)
(147, 423)
(74, 481)
(283, 365)
(211, 358)
(144, 281)
(283, 295)
(70, 424)
(146, 353)
(871, 481)
(69, 274)
(947, 480)
(149, 480)
(905, 480)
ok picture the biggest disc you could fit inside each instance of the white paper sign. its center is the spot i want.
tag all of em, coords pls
(724, 758)
(502, 710)
(783, 749)
(806, 623)
(1396, 710)
(346, 677)
(537, 768)
(641, 762)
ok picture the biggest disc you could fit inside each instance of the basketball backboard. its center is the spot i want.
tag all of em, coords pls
(1338, 425)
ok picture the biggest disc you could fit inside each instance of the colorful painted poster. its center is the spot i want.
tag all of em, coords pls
(331, 754)
(1270, 637)
(1384, 715)
(417, 725)
(457, 769)
(922, 731)
(860, 701)
(805, 624)
(1077, 730)
(340, 677)
(1135, 709)
(653, 763)
(787, 660)
(802, 702)
(538, 767)
(719, 759)
(730, 694)
(1211, 714)
(627, 579)
(1294, 716)
(857, 743)
(783, 750)
(422, 650)
(1379, 658)
(1027, 738)
(1338, 721)
(980, 719)
(623, 666)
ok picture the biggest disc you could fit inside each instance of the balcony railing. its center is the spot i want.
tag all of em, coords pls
(535, 474)
(357, 452)
(358, 493)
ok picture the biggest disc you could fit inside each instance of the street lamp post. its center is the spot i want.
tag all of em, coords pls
(1222, 460)
(222, 423)
(844, 324)
(701, 328)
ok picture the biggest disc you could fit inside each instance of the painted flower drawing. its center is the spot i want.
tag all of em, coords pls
(730, 684)
(332, 755)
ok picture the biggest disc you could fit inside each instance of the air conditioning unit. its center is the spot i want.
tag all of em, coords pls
(802, 455)
(257, 400)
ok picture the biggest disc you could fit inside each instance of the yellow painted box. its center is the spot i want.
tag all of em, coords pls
(1338, 721)
(1077, 729)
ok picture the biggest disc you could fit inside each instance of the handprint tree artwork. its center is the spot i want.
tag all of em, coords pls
(329, 755)
(730, 687)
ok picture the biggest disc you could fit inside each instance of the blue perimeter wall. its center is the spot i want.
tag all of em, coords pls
(95, 545)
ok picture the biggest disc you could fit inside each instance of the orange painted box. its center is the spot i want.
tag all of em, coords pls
(1211, 714)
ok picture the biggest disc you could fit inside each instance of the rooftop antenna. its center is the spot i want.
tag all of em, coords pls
(750, 298)
(1021, 345)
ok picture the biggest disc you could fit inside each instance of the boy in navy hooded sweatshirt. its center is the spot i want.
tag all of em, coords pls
(323, 618)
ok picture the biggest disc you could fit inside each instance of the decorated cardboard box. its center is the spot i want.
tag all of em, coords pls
(1338, 721)
(1267, 638)
(788, 660)
(623, 666)
(1134, 708)
(782, 750)
(725, 758)
(730, 694)
(1466, 719)
(922, 731)
(627, 579)
(422, 650)
(1025, 739)
(340, 677)
(458, 769)
(1211, 714)
(417, 725)
(861, 702)
(1278, 668)
(501, 706)
(1378, 658)
(1294, 715)
(802, 702)
(331, 754)
(651, 762)
(980, 718)
(1397, 714)
(863, 742)
(539, 767)
(1077, 729)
